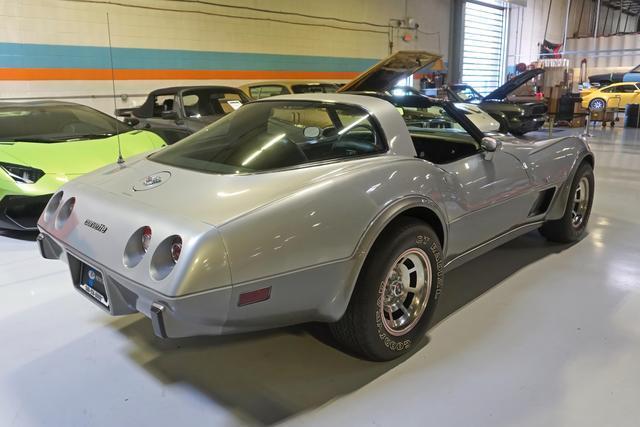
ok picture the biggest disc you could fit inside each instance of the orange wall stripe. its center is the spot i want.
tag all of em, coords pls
(105, 74)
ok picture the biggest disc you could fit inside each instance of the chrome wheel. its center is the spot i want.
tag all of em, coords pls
(406, 291)
(580, 202)
(597, 104)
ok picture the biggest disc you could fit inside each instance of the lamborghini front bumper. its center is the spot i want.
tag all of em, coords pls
(18, 212)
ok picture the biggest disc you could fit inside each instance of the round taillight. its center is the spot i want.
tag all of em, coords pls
(64, 213)
(176, 249)
(146, 238)
(52, 206)
(165, 256)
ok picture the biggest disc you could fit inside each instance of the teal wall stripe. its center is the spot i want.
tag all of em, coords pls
(19, 55)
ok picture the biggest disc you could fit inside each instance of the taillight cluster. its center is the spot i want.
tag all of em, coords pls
(58, 212)
(164, 257)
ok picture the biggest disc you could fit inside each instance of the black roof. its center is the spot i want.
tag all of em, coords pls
(176, 89)
(145, 110)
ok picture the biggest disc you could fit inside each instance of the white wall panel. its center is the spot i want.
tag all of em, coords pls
(68, 23)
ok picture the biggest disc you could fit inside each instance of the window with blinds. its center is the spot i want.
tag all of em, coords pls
(484, 46)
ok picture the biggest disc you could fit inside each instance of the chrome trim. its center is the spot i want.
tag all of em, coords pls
(497, 238)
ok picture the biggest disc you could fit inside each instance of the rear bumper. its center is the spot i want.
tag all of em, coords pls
(203, 313)
(21, 212)
(316, 294)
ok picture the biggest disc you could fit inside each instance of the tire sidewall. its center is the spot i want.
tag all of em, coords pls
(385, 345)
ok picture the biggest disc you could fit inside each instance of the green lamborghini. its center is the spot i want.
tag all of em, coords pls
(47, 143)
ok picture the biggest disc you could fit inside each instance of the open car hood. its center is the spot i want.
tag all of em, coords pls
(503, 91)
(386, 73)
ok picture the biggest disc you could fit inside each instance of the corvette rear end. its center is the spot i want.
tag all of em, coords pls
(196, 245)
(126, 258)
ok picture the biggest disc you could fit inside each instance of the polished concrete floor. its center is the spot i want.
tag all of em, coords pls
(530, 334)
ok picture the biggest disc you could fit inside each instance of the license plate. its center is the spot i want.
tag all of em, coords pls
(92, 282)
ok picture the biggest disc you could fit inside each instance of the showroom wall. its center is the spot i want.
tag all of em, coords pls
(156, 43)
(604, 53)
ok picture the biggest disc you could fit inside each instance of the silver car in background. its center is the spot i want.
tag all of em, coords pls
(313, 207)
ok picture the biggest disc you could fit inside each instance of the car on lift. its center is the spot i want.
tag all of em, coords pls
(515, 116)
(313, 207)
(176, 112)
(259, 90)
(602, 80)
(44, 144)
(615, 96)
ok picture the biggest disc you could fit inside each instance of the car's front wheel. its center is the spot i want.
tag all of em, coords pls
(396, 293)
(573, 224)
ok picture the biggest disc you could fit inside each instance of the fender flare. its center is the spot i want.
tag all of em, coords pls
(559, 203)
(373, 231)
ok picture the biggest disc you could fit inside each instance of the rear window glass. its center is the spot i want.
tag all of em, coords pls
(277, 134)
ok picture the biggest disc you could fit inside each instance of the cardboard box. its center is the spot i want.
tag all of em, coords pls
(578, 122)
(601, 115)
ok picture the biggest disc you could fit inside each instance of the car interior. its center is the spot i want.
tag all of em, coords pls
(327, 133)
(437, 137)
(162, 103)
(209, 103)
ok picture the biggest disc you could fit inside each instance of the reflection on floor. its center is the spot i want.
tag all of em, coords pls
(530, 334)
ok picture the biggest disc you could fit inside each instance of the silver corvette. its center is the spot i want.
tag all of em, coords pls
(339, 208)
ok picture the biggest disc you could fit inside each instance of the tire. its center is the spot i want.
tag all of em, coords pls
(517, 133)
(597, 104)
(367, 329)
(567, 229)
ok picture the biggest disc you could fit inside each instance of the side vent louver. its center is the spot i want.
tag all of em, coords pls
(543, 202)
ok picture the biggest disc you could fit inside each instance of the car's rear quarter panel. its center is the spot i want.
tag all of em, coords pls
(305, 245)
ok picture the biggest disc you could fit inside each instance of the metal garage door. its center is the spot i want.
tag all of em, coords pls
(484, 46)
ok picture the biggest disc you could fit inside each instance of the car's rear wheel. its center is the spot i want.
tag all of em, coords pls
(396, 293)
(597, 104)
(573, 224)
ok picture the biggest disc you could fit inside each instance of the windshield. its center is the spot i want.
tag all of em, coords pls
(272, 135)
(315, 88)
(430, 119)
(56, 123)
(467, 94)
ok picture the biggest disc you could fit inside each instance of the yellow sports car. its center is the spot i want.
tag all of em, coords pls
(617, 95)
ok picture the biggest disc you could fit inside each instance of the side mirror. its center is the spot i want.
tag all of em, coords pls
(169, 115)
(490, 144)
